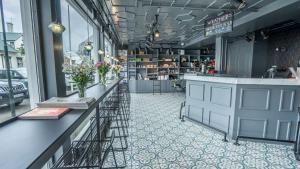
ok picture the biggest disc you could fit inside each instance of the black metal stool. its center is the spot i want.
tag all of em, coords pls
(89, 151)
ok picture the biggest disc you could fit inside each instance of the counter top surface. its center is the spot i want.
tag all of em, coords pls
(29, 143)
(237, 80)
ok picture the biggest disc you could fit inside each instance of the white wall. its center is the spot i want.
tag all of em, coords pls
(18, 42)
(13, 60)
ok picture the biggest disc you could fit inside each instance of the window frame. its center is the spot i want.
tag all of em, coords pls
(28, 10)
(95, 38)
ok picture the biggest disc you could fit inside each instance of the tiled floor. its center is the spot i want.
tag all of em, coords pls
(158, 139)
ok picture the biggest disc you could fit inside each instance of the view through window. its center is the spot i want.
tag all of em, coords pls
(19, 102)
(108, 50)
(79, 32)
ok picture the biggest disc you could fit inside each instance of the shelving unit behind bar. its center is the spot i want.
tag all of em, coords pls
(164, 65)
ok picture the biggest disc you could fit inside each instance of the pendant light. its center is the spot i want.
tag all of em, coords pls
(56, 27)
(156, 34)
(88, 45)
(100, 52)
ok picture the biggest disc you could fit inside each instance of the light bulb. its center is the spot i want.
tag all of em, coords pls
(56, 27)
(156, 34)
(101, 52)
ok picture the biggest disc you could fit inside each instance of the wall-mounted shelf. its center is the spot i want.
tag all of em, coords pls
(165, 66)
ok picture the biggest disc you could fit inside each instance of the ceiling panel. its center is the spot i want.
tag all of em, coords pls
(178, 19)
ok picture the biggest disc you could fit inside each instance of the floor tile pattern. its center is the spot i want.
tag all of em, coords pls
(159, 140)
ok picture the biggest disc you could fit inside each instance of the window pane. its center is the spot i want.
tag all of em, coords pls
(17, 56)
(108, 50)
(77, 34)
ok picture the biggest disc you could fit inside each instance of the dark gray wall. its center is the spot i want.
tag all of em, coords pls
(239, 58)
(265, 55)
(260, 57)
(289, 39)
(253, 58)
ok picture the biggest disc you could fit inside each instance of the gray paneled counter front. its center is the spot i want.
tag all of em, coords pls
(245, 107)
(146, 86)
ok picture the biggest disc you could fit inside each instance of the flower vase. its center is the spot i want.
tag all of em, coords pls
(103, 79)
(116, 76)
(81, 90)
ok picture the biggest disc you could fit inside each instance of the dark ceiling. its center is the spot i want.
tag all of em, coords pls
(277, 16)
(178, 21)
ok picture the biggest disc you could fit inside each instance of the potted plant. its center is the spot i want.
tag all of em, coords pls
(103, 68)
(116, 69)
(81, 74)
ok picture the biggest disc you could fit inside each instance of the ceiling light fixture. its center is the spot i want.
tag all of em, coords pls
(56, 27)
(264, 34)
(242, 4)
(100, 52)
(155, 25)
(88, 45)
(156, 34)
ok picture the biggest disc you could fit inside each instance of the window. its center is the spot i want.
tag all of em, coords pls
(17, 101)
(12, 44)
(20, 62)
(10, 64)
(108, 50)
(78, 32)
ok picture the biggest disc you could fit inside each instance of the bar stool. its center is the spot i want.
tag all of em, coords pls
(89, 151)
(111, 114)
(122, 98)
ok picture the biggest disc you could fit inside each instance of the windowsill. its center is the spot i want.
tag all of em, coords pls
(42, 138)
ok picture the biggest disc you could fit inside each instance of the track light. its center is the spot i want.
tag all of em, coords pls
(242, 4)
(156, 34)
(264, 34)
(248, 38)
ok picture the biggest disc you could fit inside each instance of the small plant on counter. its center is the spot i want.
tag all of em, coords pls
(103, 68)
(81, 74)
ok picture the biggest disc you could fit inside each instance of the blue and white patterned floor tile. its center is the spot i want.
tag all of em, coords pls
(159, 140)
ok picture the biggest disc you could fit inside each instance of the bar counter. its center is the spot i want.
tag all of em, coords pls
(248, 107)
(30, 143)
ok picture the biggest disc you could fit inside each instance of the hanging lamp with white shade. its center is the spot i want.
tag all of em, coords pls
(88, 45)
(56, 27)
